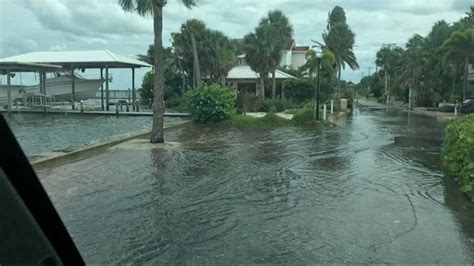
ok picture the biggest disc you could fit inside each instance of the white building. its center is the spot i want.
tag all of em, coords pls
(293, 56)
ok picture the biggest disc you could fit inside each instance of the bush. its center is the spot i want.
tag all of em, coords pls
(270, 105)
(458, 152)
(211, 102)
(245, 121)
(305, 117)
(447, 109)
(247, 102)
(299, 90)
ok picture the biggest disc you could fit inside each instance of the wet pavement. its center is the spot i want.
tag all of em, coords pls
(371, 190)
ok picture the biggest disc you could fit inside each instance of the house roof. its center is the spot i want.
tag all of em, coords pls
(78, 59)
(245, 72)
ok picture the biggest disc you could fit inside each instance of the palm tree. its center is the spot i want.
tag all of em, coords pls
(282, 34)
(340, 40)
(460, 46)
(327, 62)
(155, 8)
(257, 54)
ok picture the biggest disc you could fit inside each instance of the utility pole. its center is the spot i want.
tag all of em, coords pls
(369, 68)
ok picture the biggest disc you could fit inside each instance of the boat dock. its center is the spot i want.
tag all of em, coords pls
(77, 112)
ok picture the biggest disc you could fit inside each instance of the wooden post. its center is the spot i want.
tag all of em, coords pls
(283, 90)
(102, 90)
(9, 93)
(73, 87)
(133, 86)
(107, 88)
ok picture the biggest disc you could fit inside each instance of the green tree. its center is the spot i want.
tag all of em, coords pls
(257, 54)
(340, 39)
(460, 46)
(282, 34)
(155, 8)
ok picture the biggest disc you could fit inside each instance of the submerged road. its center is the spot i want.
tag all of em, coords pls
(369, 191)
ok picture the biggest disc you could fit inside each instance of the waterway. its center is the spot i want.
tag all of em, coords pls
(43, 133)
(371, 190)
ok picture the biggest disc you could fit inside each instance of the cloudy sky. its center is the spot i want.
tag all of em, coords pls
(41, 25)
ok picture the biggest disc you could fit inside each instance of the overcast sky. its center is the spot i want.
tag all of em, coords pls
(41, 25)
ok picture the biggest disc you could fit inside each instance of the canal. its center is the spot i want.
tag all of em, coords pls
(43, 133)
(371, 190)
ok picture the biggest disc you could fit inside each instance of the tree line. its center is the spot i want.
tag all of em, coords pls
(429, 69)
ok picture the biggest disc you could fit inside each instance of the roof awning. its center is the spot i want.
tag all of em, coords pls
(78, 59)
(26, 67)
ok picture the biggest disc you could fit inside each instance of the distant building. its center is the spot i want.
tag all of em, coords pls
(293, 56)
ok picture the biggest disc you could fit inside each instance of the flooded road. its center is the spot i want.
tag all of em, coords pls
(369, 191)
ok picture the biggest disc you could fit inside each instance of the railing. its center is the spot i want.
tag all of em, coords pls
(37, 100)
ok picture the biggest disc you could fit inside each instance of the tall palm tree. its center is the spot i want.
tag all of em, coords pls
(282, 34)
(460, 46)
(340, 40)
(155, 8)
(257, 54)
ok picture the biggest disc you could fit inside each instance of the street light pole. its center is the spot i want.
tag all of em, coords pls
(318, 88)
(319, 55)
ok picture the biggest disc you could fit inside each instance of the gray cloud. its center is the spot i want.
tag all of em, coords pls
(32, 25)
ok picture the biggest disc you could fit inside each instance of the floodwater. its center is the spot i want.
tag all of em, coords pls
(369, 191)
(42, 133)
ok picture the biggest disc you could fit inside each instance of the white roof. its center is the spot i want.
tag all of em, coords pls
(91, 59)
(245, 72)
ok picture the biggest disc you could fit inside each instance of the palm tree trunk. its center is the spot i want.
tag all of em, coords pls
(262, 87)
(158, 84)
(464, 87)
(273, 85)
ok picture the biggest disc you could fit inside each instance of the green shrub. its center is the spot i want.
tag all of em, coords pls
(458, 152)
(211, 102)
(245, 121)
(447, 109)
(270, 105)
(247, 102)
(305, 117)
(299, 90)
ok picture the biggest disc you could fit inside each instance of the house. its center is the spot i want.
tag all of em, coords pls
(293, 56)
(245, 80)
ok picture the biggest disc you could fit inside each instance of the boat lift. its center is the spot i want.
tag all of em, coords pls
(102, 60)
(41, 99)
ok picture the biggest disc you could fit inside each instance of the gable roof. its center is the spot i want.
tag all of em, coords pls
(78, 59)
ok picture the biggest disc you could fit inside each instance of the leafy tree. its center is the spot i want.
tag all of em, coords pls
(460, 46)
(257, 54)
(155, 8)
(215, 50)
(340, 39)
(282, 34)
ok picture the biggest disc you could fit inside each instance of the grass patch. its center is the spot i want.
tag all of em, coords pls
(245, 121)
